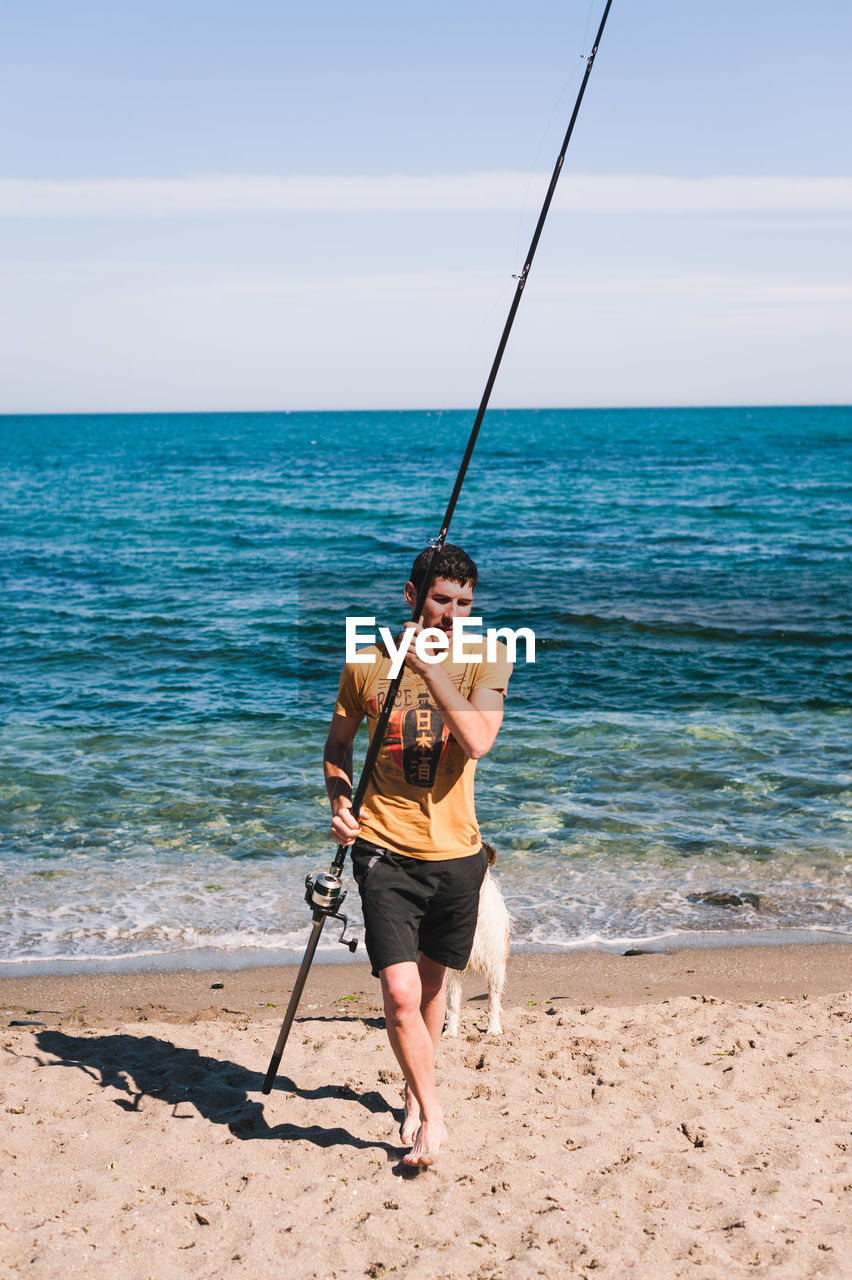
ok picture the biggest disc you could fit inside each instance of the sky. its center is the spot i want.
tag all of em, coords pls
(253, 205)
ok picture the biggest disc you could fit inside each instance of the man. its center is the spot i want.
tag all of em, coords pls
(417, 855)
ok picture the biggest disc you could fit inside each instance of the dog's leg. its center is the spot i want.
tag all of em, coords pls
(496, 978)
(453, 1002)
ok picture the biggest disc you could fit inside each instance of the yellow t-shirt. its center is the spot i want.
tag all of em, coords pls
(420, 798)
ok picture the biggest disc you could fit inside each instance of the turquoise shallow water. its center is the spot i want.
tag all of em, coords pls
(173, 596)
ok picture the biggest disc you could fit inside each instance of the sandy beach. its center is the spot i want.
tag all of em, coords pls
(662, 1115)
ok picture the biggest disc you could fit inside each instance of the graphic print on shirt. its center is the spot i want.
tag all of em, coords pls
(415, 739)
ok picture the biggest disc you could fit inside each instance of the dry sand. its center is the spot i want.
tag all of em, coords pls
(654, 1116)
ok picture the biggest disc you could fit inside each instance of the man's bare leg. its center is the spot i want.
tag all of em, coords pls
(433, 1007)
(414, 999)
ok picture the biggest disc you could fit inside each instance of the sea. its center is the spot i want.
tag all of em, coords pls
(673, 769)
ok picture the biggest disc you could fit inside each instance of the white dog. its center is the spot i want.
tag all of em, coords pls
(489, 955)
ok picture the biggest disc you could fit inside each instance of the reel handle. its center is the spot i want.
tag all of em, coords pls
(351, 943)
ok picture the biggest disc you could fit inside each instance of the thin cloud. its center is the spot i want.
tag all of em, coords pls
(217, 195)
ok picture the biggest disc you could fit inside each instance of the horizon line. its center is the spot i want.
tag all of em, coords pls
(554, 408)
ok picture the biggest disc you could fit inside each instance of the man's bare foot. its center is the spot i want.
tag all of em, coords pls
(430, 1138)
(410, 1120)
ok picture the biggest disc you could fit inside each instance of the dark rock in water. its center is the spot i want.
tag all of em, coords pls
(717, 898)
(643, 951)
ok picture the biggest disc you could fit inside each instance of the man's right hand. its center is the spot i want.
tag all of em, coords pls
(344, 827)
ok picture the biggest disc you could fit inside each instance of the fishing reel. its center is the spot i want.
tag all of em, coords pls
(325, 895)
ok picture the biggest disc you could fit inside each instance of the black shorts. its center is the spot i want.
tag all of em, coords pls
(412, 905)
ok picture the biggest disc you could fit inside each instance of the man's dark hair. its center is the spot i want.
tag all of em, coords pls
(451, 563)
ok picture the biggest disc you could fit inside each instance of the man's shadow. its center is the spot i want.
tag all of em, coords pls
(145, 1066)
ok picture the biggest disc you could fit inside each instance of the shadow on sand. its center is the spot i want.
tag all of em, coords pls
(145, 1066)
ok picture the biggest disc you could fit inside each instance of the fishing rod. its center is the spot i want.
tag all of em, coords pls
(324, 893)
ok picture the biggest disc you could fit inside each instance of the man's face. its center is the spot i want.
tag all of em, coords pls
(445, 602)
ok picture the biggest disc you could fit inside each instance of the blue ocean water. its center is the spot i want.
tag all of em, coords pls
(174, 590)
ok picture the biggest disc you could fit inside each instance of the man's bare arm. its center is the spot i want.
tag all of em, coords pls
(473, 722)
(337, 765)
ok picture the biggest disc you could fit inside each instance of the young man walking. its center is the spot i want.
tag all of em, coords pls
(417, 855)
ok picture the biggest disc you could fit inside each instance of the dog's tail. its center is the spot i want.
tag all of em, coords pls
(491, 852)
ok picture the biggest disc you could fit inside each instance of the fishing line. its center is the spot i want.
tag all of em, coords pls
(324, 893)
(531, 172)
(588, 22)
(434, 430)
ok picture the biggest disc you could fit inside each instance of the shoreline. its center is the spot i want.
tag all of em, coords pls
(567, 979)
(234, 960)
